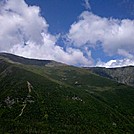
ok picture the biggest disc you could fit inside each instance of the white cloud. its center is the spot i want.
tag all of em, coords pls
(116, 63)
(25, 32)
(20, 23)
(53, 52)
(125, 54)
(113, 34)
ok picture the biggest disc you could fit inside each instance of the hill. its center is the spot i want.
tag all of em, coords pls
(123, 75)
(43, 96)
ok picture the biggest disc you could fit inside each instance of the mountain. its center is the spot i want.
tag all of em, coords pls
(44, 96)
(123, 75)
(26, 61)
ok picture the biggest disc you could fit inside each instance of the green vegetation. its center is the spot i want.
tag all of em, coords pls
(55, 98)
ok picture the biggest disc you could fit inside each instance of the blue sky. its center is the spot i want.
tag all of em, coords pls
(60, 14)
(76, 32)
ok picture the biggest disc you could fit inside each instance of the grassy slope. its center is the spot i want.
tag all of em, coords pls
(63, 100)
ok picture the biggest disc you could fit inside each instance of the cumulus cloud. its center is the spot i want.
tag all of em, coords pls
(113, 35)
(25, 32)
(116, 63)
(125, 53)
(20, 23)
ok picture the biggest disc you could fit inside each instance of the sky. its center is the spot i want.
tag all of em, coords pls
(76, 32)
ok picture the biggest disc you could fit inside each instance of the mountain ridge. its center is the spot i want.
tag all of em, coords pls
(122, 75)
(27, 61)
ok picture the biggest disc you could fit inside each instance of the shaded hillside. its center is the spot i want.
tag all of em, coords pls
(27, 61)
(56, 98)
(123, 75)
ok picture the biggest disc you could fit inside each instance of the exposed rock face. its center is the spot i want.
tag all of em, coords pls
(123, 75)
